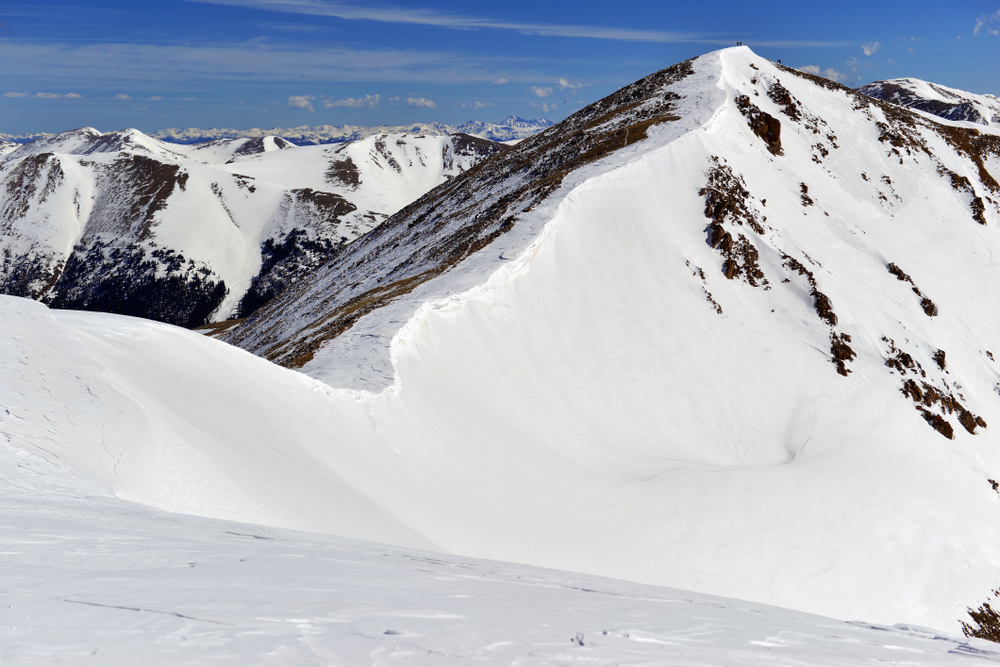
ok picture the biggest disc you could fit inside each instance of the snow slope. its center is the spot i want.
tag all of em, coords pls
(728, 330)
(938, 100)
(90, 579)
(122, 222)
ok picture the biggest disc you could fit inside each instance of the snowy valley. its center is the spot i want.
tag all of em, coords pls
(730, 330)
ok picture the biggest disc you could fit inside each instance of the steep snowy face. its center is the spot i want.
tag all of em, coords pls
(932, 98)
(121, 222)
(451, 225)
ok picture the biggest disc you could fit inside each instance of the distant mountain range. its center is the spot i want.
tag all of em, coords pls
(188, 234)
(511, 129)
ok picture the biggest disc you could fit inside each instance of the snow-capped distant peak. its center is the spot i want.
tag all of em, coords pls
(512, 128)
(942, 101)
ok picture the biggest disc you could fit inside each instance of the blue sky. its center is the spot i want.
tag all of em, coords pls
(268, 63)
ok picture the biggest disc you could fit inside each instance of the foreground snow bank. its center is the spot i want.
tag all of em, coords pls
(93, 580)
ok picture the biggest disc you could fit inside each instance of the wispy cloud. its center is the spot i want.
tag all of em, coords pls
(419, 103)
(828, 73)
(988, 24)
(155, 98)
(368, 101)
(301, 102)
(474, 105)
(44, 96)
(101, 63)
(541, 91)
(501, 81)
(122, 97)
(439, 19)
(871, 48)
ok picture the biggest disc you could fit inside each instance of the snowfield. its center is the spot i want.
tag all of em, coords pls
(90, 579)
(718, 358)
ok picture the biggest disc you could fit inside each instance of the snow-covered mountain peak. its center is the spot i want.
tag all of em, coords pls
(510, 129)
(226, 150)
(948, 103)
(126, 223)
(727, 277)
(67, 142)
(731, 329)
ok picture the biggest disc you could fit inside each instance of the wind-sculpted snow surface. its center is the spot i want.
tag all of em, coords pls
(92, 580)
(729, 330)
(123, 223)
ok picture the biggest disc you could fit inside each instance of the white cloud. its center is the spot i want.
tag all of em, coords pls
(565, 84)
(474, 105)
(432, 17)
(501, 81)
(301, 101)
(540, 91)
(393, 98)
(369, 101)
(871, 48)
(104, 63)
(828, 73)
(73, 96)
(154, 98)
(419, 103)
(834, 75)
(119, 96)
(989, 23)
(187, 99)
(48, 96)
(17, 94)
